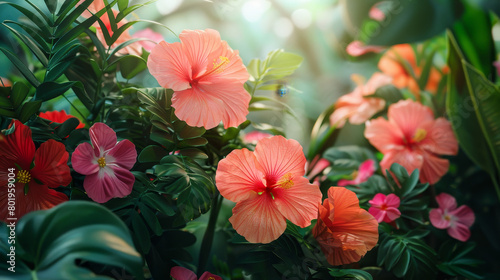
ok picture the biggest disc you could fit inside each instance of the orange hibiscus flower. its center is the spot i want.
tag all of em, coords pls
(344, 231)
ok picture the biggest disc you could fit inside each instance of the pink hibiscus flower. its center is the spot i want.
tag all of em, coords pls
(148, 33)
(255, 136)
(106, 164)
(207, 78)
(385, 208)
(413, 138)
(355, 106)
(366, 170)
(181, 273)
(457, 221)
(268, 187)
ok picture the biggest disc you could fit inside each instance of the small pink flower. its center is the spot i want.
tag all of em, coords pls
(316, 166)
(255, 136)
(148, 33)
(366, 170)
(181, 273)
(106, 164)
(385, 208)
(376, 14)
(358, 48)
(457, 221)
(355, 106)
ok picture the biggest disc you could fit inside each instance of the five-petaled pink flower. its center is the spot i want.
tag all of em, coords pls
(457, 221)
(366, 170)
(385, 208)
(207, 78)
(355, 106)
(106, 164)
(268, 187)
(413, 138)
(181, 273)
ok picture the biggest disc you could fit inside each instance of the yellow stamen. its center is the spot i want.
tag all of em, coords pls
(354, 174)
(220, 65)
(447, 217)
(211, 278)
(419, 135)
(102, 162)
(285, 182)
(23, 176)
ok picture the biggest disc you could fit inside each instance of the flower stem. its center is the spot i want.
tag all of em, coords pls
(206, 244)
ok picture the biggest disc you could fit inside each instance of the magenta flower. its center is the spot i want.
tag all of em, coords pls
(181, 273)
(385, 208)
(106, 164)
(457, 221)
(366, 170)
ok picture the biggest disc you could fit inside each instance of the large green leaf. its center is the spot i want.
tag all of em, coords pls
(461, 112)
(403, 22)
(51, 244)
(486, 98)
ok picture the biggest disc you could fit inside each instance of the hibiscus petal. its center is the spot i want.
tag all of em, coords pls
(436, 216)
(170, 66)
(464, 215)
(392, 200)
(124, 154)
(209, 276)
(366, 170)
(341, 114)
(344, 182)
(384, 135)
(391, 214)
(51, 164)
(258, 219)
(198, 45)
(39, 197)
(410, 160)
(237, 176)
(433, 168)
(459, 231)
(408, 115)
(440, 138)
(103, 138)
(377, 213)
(108, 183)
(181, 273)
(278, 156)
(84, 160)
(378, 200)
(299, 204)
(18, 146)
(446, 201)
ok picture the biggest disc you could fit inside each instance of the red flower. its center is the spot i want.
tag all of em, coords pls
(38, 170)
(59, 117)
(181, 273)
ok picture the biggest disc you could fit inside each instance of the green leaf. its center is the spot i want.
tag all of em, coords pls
(461, 112)
(347, 159)
(50, 244)
(122, 4)
(49, 90)
(51, 5)
(350, 273)
(28, 110)
(21, 67)
(486, 98)
(389, 93)
(404, 24)
(30, 44)
(152, 153)
(131, 65)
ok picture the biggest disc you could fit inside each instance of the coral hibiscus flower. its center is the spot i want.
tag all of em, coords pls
(106, 164)
(391, 64)
(181, 273)
(344, 231)
(59, 117)
(148, 33)
(268, 187)
(457, 221)
(5, 82)
(36, 172)
(414, 139)
(355, 106)
(207, 78)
